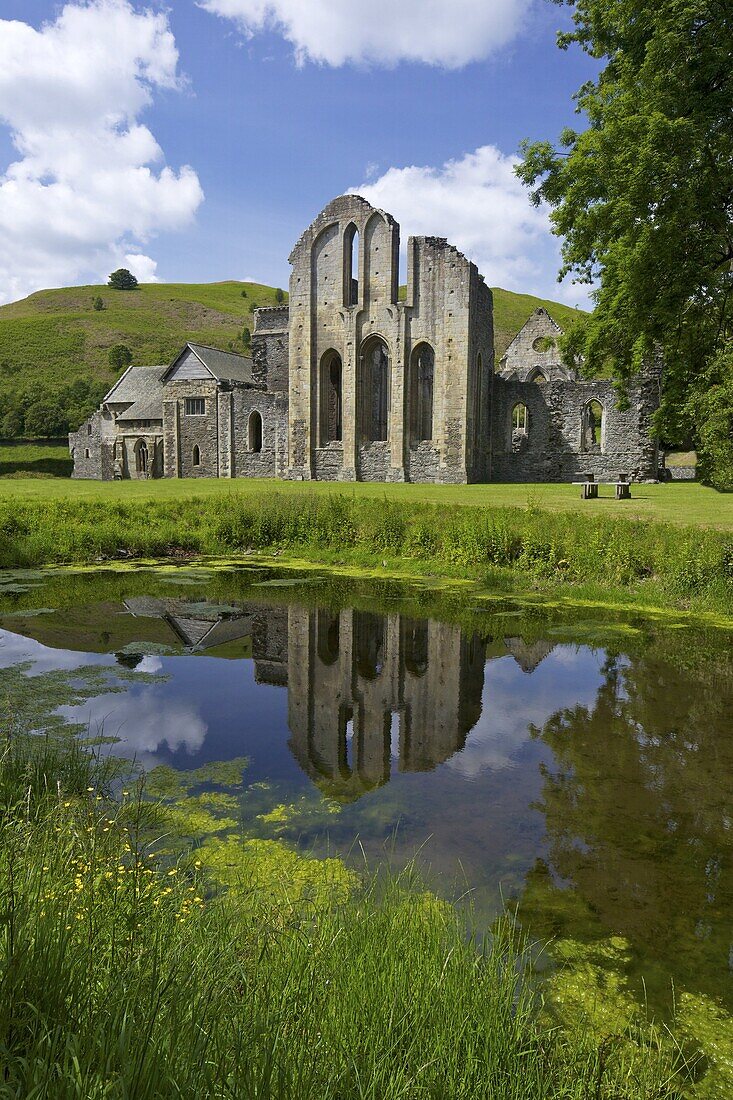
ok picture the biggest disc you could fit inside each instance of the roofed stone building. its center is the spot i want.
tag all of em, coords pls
(354, 381)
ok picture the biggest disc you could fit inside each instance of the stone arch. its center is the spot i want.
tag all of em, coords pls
(196, 456)
(142, 457)
(422, 392)
(519, 425)
(538, 376)
(330, 397)
(374, 388)
(351, 265)
(593, 427)
(325, 267)
(380, 267)
(254, 432)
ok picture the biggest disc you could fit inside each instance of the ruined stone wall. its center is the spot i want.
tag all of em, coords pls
(554, 449)
(447, 307)
(270, 348)
(182, 432)
(536, 348)
(273, 410)
(91, 448)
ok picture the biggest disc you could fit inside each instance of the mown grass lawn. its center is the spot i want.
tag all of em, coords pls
(683, 503)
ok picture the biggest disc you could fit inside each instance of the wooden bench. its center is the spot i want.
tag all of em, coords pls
(589, 488)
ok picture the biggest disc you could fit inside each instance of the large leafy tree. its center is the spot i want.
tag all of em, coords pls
(643, 199)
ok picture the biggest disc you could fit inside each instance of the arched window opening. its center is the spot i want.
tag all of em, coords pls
(422, 383)
(477, 398)
(254, 432)
(328, 637)
(369, 644)
(331, 398)
(351, 266)
(375, 389)
(141, 456)
(592, 427)
(520, 426)
(196, 456)
(539, 378)
(415, 646)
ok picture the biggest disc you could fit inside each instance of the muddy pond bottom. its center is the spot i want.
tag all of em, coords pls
(576, 769)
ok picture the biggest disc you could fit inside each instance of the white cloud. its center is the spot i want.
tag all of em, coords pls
(449, 33)
(89, 186)
(478, 203)
(142, 267)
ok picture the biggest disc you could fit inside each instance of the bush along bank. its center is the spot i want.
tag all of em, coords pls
(129, 968)
(685, 567)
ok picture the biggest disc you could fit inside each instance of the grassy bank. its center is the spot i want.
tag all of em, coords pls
(135, 967)
(653, 562)
(682, 503)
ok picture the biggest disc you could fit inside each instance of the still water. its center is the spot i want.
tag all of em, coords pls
(578, 768)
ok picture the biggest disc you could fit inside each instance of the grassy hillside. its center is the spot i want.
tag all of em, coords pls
(55, 336)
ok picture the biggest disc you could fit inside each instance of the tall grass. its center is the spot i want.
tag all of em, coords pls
(684, 566)
(124, 976)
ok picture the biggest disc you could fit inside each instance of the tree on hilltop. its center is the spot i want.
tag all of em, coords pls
(122, 279)
(643, 201)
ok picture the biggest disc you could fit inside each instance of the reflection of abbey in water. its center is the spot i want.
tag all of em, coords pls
(370, 692)
(366, 692)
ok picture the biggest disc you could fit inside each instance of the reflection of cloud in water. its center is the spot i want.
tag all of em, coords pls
(514, 700)
(143, 721)
(15, 650)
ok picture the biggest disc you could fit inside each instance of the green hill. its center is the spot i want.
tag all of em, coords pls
(55, 342)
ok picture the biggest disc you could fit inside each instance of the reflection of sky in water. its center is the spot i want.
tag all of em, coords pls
(475, 811)
(513, 700)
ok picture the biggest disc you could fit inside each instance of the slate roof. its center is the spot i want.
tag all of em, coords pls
(141, 389)
(224, 366)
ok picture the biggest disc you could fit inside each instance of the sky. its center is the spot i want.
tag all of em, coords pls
(194, 141)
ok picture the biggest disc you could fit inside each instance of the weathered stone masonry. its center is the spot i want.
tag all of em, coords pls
(349, 382)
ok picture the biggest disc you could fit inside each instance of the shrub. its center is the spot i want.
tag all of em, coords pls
(122, 279)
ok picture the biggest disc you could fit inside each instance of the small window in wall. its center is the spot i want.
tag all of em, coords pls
(195, 406)
(520, 419)
(196, 456)
(374, 389)
(141, 456)
(331, 398)
(593, 427)
(422, 380)
(254, 432)
(88, 453)
(351, 266)
(89, 428)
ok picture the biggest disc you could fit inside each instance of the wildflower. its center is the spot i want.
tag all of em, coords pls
(173, 872)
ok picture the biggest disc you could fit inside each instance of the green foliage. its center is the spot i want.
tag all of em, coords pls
(49, 412)
(244, 293)
(279, 296)
(122, 279)
(687, 566)
(120, 357)
(243, 969)
(643, 198)
(246, 338)
(98, 303)
(712, 409)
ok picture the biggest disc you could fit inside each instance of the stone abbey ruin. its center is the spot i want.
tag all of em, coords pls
(350, 383)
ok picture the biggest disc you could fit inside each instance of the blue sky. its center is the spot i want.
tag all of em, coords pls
(194, 142)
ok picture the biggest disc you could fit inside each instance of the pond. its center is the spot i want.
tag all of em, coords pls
(576, 766)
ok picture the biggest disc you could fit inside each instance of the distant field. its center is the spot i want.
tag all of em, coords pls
(56, 336)
(45, 458)
(682, 503)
